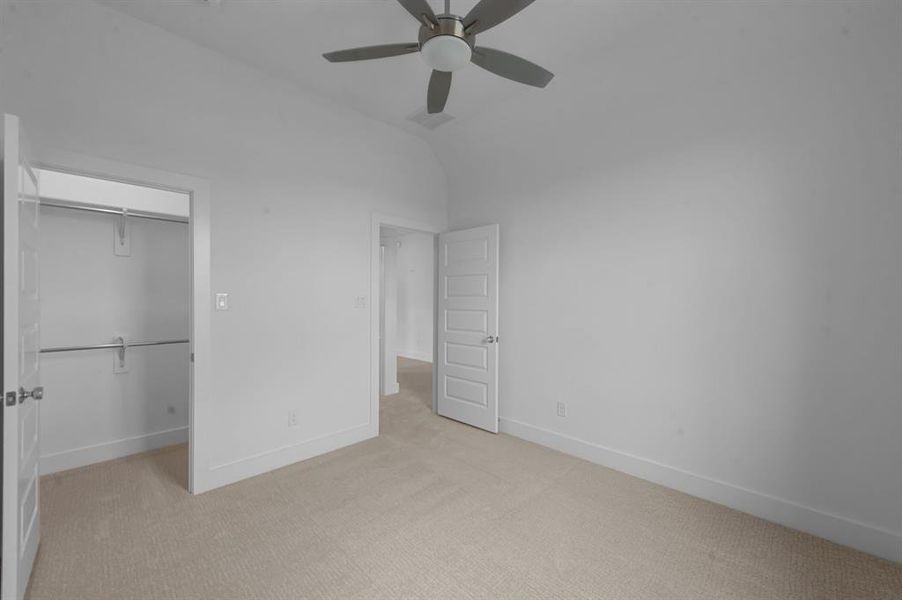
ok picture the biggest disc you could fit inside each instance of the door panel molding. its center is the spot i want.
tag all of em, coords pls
(467, 366)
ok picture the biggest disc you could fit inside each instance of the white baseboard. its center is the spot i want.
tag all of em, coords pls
(423, 356)
(88, 455)
(237, 470)
(867, 538)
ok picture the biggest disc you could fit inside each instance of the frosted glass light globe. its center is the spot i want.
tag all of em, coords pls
(446, 53)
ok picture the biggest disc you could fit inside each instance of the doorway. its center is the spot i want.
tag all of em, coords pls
(406, 317)
(465, 309)
(425, 357)
(158, 184)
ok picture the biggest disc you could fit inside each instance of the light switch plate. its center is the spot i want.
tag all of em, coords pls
(222, 302)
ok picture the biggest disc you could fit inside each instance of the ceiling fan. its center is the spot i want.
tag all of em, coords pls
(447, 43)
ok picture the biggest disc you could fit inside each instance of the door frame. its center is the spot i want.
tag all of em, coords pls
(198, 191)
(376, 304)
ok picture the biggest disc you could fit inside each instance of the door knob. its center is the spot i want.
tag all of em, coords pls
(492, 339)
(37, 393)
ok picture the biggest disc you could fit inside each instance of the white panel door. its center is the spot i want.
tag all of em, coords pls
(21, 364)
(468, 326)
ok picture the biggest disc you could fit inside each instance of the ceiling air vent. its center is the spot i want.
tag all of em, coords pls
(431, 122)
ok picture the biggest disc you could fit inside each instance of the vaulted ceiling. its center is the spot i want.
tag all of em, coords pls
(286, 38)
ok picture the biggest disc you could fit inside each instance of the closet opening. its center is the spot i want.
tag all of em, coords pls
(115, 287)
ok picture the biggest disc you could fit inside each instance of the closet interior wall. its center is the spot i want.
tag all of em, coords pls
(94, 408)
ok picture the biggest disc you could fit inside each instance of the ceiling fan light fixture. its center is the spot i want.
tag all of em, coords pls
(447, 43)
(446, 53)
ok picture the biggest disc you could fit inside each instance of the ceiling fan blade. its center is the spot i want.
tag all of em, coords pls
(439, 88)
(511, 67)
(371, 52)
(420, 10)
(489, 13)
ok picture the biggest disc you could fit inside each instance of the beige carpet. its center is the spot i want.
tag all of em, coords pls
(430, 509)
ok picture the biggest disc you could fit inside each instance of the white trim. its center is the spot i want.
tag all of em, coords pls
(398, 222)
(864, 537)
(264, 462)
(87, 455)
(199, 402)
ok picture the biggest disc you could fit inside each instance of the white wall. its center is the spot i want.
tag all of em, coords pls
(415, 280)
(90, 296)
(700, 246)
(294, 181)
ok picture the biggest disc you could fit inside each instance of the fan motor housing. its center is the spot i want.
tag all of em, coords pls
(451, 25)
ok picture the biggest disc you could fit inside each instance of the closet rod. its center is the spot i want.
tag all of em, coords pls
(113, 345)
(139, 214)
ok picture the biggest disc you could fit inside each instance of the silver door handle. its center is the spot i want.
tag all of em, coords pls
(493, 339)
(37, 393)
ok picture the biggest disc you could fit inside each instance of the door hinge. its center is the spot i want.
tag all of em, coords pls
(11, 398)
(192, 357)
